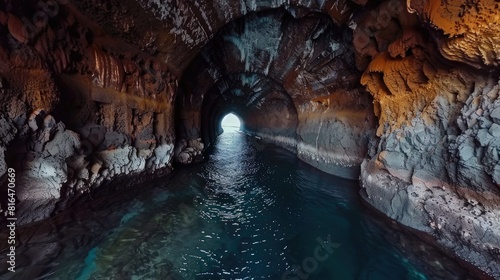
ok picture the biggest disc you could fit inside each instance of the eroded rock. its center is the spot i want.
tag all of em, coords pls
(108, 94)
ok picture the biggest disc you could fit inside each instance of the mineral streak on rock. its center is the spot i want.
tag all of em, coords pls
(406, 93)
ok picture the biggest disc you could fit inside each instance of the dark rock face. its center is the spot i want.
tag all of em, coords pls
(405, 92)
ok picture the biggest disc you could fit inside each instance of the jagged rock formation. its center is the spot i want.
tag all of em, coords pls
(94, 93)
(470, 29)
(79, 108)
(434, 169)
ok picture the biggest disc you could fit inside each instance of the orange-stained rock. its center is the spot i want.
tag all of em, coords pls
(387, 25)
(466, 31)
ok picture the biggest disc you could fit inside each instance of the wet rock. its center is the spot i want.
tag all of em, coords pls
(44, 173)
(96, 167)
(83, 174)
(7, 134)
(422, 205)
(196, 144)
(85, 148)
(392, 159)
(495, 115)
(484, 137)
(76, 162)
(313, 84)
(184, 157)
(162, 156)
(145, 140)
(49, 122)
(180, 146)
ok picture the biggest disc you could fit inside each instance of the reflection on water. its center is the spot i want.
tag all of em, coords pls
(249, 215)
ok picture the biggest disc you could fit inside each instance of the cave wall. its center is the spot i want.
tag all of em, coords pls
(435, 89)
(94, 83)
(78, 108)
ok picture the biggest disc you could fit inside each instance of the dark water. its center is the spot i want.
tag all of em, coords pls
(252, 211)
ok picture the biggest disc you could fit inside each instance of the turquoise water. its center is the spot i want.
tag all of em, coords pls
(251, 211)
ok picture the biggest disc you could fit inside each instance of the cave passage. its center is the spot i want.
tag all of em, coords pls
(252, 211)
(287, 76)
(99, 97)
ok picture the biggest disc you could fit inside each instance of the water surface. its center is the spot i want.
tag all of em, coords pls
(251, 211)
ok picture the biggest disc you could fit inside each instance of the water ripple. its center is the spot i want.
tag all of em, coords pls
(248, 215)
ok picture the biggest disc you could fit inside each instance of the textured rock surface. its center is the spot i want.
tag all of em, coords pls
(79, 109)
(465, 31)
(335, 131)
(409, 88)
(434, 167)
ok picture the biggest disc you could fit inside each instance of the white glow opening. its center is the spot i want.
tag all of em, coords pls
(231, 122)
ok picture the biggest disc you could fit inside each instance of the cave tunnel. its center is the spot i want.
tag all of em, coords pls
(273, 82)
(112, 111)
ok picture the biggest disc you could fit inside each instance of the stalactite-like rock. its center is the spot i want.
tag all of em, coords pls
(465, 31)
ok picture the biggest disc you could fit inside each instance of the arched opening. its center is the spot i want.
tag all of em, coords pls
(230, 123)
(279, 95)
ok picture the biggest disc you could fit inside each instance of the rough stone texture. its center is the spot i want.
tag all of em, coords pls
(335, 131)
(466, 31)
(7, 133)
(79, 109)
(190, 25)
(435, 207)
(435, 165)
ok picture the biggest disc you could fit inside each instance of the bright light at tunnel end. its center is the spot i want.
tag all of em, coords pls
(231, 122)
